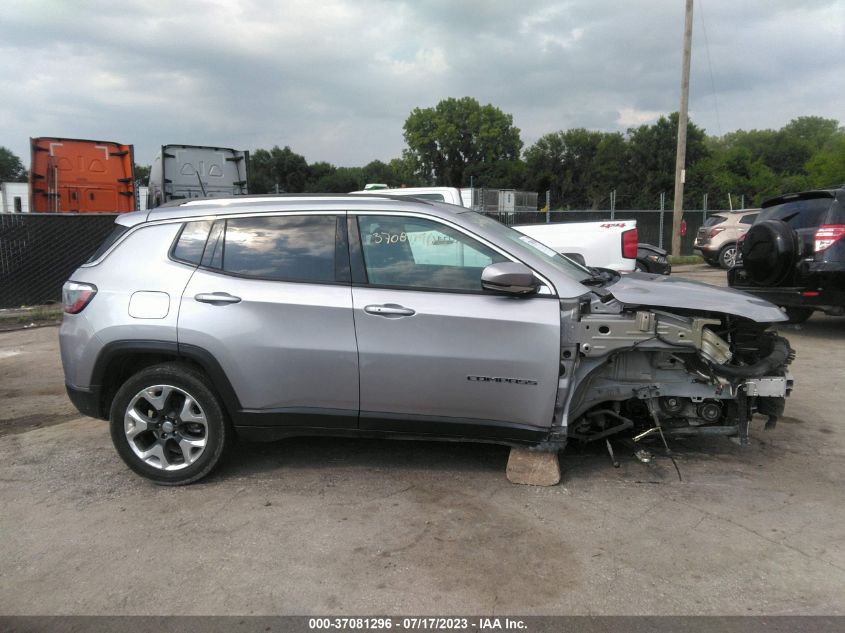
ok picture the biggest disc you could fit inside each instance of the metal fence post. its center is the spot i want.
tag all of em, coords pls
(660, 230)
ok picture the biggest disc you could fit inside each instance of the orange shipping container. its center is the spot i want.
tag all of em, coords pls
(78, 176)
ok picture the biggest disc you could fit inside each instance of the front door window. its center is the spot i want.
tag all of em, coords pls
(407, 252)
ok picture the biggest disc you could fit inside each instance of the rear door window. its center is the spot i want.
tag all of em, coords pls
(283, 248)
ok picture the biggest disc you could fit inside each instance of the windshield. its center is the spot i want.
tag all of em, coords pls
(512, 237)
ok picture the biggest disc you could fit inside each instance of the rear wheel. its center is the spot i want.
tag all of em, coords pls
(798, 314)
(710, 261)
(727, 256)
(167, 424)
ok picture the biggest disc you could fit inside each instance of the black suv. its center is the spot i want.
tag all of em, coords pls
(794, 254)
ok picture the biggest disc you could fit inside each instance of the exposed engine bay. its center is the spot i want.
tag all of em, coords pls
(644, 371)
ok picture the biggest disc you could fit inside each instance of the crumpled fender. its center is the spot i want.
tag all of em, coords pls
(642, 289)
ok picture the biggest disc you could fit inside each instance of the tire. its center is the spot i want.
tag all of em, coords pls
(769, 252)
(711, 262)
(797, 314)
(727, 256)
(162, 436)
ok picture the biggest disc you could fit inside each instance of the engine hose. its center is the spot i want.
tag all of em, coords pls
(780, 355)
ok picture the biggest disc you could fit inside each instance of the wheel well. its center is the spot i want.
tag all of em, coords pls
(122, 366)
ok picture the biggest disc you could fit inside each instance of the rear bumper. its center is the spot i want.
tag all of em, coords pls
(86, 401)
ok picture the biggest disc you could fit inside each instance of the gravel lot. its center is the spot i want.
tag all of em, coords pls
(317, 526)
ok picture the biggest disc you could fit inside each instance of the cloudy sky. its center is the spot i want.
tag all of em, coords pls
(336, 80)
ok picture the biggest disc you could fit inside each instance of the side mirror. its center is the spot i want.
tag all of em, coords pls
(509, 277)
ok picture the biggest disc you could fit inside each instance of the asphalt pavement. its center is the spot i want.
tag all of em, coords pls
(324, 526)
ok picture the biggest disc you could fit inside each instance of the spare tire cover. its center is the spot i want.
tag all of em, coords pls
(769, 251)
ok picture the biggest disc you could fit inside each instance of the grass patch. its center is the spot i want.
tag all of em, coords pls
(685, 260)
(31, 314)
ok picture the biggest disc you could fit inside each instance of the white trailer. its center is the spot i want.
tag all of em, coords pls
(192, 171)
(14, 197)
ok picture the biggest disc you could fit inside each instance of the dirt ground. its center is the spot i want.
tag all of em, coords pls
(319, 526)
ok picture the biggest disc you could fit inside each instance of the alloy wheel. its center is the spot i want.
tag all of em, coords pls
(728, 257)
(166, 427)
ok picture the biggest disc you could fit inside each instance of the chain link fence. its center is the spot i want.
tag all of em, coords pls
(39, 251)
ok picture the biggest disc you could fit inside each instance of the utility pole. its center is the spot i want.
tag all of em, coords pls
(680, 160)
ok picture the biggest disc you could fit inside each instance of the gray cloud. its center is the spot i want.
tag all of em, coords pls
(335, 80)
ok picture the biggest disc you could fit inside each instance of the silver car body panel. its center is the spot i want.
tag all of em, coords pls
(282, 346)
(445, 359)
(141, 264)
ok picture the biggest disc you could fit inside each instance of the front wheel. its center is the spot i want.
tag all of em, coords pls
(167, 424)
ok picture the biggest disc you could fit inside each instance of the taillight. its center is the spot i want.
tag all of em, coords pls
(75, 296)
(716, 230)
(828, 235)
(629, 243)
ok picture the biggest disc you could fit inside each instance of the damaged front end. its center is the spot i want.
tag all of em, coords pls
(668, 372)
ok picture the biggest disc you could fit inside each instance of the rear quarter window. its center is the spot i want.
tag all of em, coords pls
(713, 220)
(191, 242)
(799, 214)
(116, 233)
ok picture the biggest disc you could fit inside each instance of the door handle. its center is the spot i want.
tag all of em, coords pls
(217, 298)
(389, 310)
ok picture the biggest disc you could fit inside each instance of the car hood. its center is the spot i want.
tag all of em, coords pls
(674, 292)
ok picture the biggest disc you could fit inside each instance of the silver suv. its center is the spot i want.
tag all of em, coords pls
(271, 317)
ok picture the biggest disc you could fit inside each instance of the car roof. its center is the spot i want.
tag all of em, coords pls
(836, 192)
(273, 203)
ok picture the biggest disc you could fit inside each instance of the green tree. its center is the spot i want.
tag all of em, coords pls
(11, 167)
(446, 139)
(404, 170)
(282, 168)
(142, 174)
(735, 173)
(338, 180)
(378, 172)
(816, 131)
(651, 155)
(827, 167)
(579, 167)
(317, 173)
